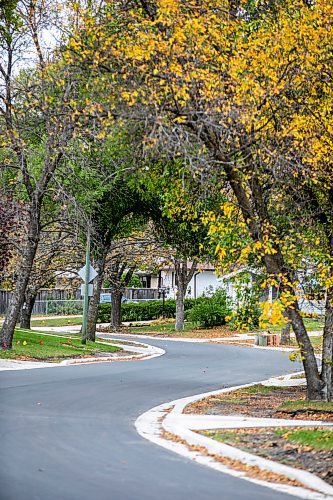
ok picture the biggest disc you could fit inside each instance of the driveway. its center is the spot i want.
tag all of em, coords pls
(68, 433)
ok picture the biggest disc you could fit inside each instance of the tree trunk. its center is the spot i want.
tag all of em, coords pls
(327, 353)
(183, 277)
(24, 270)
(115, 319)
(94, 301)
(180, 309)
(26, 310)
(255, 213)
(285, 335)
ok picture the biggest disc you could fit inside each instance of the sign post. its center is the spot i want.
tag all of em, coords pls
(86, 271)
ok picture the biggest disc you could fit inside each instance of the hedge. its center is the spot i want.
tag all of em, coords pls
(212, 312)
(144, 311)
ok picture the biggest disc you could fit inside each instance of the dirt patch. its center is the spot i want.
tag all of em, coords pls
(268, 444)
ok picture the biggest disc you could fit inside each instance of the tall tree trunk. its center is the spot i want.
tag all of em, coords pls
(94, 300)
(182, 277)
(24, 270)
(314, 384)
(26, 310)
(327, 353)
(285, 335)
(180, 309)
(254, 209)
(115, 319)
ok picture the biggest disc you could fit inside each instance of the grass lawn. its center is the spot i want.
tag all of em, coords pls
(311, 324)
(307, 405)
(32, 345)
(69, 320)
(160, 328)
(320, 439)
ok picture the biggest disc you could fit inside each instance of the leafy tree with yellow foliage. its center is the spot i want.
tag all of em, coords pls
(247, 87)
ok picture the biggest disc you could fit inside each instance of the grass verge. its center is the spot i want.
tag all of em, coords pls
(30, 345)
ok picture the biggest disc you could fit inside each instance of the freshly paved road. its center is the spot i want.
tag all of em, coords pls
(68, 433)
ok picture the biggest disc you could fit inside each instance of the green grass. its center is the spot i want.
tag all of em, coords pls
(311, 324)
(223, 436)
(260, 389)
(307, 405)
(56, 321)
(300, 375)
(160, 328)
(30, 344)
(320, 439)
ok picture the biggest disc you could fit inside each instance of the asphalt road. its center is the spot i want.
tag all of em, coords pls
(68, 433)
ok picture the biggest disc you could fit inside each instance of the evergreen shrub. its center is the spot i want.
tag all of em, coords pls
(144, 311)
(211, 312)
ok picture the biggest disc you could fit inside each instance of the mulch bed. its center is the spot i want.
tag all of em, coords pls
(258, 404)
(263, 441)
(267, 444)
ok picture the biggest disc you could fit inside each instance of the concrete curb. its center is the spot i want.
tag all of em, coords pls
(154, 422)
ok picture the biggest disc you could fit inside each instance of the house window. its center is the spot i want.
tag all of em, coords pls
(145, 281)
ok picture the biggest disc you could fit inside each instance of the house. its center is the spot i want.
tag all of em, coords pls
(247, 277)
(204, 281)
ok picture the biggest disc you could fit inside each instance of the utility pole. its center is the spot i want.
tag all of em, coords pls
(86, 291)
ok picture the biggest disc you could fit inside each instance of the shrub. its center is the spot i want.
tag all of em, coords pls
(144, 311)
(138, 311)
(64, 307)
(212, 311)
(208, 315)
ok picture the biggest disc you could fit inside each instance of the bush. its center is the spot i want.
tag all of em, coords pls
(208, 315)
(211, 311)
(138, 311)
(248, 312)
(144, 311)
(59, 307)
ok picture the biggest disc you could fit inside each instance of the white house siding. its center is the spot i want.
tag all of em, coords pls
(201, 283)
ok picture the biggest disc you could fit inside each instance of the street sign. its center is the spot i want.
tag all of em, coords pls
(90, 290)
(105, 298)
(92, 273)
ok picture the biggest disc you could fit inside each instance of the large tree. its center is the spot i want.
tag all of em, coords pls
(246, 89)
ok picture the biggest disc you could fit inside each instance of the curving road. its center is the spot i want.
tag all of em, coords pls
(68, 433)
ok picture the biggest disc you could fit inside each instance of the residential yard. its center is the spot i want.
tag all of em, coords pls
(31, 345)
(306, 448)
(167, 327)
